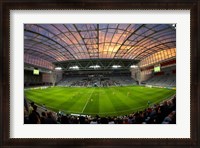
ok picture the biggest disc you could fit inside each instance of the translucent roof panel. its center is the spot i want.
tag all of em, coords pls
(63, 42)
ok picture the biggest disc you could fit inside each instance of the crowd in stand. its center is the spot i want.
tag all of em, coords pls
(104, 83)
(83, 83)
(101, 81)
(110, 83)
(164, 113)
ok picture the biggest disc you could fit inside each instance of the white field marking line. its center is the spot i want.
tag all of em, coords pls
(87, 101)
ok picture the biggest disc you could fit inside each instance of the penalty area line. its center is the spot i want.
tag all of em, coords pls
(87, 101)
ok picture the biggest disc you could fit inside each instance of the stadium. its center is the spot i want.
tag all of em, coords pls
(100, 73)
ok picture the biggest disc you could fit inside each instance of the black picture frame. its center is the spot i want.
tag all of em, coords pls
(7, 5)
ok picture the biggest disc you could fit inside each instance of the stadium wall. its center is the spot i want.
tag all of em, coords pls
(32, 80)
(138, 75)
(49, 78)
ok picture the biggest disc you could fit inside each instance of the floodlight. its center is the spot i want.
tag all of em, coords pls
(58, 68)
(74, 67)
(95, 66)
(116, 66)
(133, 66)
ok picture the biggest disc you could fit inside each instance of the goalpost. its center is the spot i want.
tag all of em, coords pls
(149, 86)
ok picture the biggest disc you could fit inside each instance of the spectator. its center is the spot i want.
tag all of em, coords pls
(43, 118)
(50, 119)
(26, 105)
(111, 120)
(104, 120)
(26, 116)
(34, 117)
(94, 121)
(169, 118)
(64, 120)
(31, 107)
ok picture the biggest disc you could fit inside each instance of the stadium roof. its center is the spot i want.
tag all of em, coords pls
(58, 43)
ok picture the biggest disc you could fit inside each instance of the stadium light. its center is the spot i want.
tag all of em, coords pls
(58, 68)
(95, 66)
(116, 66)
(174, 25)
(74, 67)
(134, 66)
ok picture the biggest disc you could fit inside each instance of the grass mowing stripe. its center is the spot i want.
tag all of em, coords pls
(74, 100)
(93, 104)
(68, 103)
(128, 110)
(87, 101)
(117, 102)
(128, 103)
(105, 101)
(130, 98)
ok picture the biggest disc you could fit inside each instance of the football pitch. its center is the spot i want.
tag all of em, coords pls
(104, 101)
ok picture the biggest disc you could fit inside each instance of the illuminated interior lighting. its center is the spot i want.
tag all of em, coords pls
(58, 68)
(116, 66)
(74, 67)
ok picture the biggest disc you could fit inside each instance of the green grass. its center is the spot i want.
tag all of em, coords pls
(107, 101)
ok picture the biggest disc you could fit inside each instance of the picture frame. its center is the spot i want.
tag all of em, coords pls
(192, 5)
